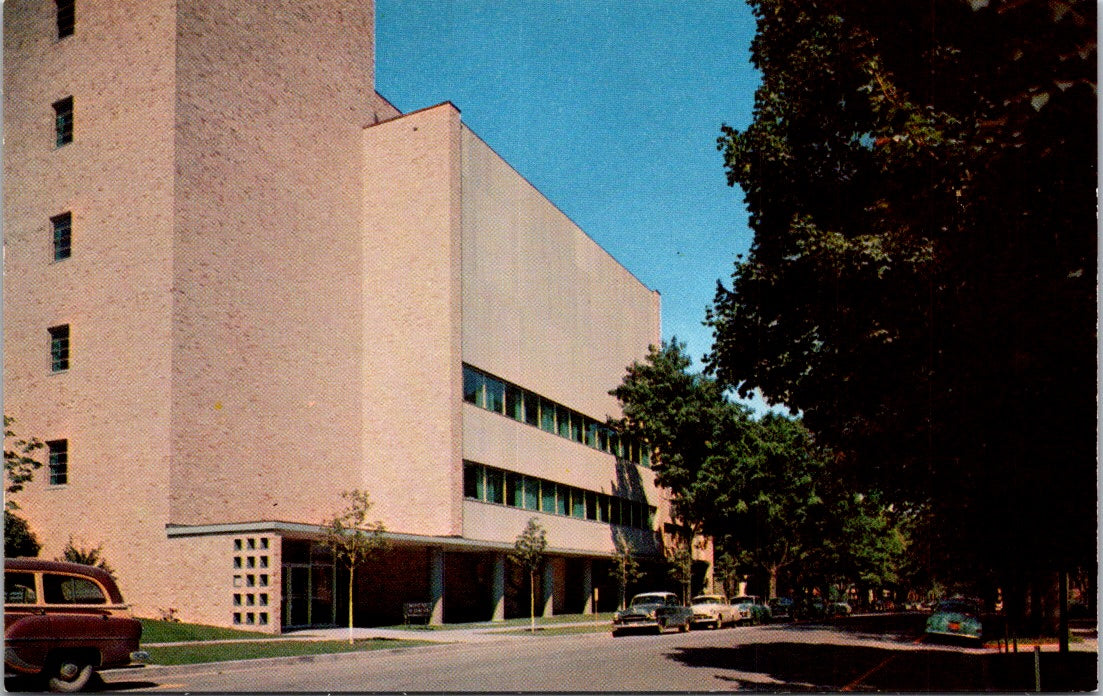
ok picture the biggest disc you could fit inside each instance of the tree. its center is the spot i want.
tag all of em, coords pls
(726, 573)
(528, 552)
(19, 467)
(920, 179)
(352, 540)
(625, 565)
(680, 566)
(89, 557)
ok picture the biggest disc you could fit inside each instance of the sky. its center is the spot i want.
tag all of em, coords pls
(611, 109)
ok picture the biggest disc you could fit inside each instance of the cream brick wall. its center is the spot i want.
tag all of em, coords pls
(113, 403)
(267, 335)
(411, 361)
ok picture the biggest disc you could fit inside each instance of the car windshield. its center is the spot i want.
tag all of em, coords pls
(706, 600)
(648, 599)
(956, 606)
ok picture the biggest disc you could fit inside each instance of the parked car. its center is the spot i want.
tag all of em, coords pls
(712, 610)
(781, 608)
(956, 618)
(653, 610)
(64, 621)
(750, 609)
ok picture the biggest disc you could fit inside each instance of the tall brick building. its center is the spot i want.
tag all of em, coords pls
(238, 282)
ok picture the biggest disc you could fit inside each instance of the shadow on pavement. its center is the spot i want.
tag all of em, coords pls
(802, 667)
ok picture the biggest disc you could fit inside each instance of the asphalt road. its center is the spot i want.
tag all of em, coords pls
(855, 656)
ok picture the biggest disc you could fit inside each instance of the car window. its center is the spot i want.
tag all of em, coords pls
(19, 588)
(70, 589)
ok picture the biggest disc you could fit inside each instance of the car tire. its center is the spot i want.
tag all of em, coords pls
(70, 675)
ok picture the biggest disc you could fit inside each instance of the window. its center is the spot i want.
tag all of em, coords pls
(494, 492)
(19, 588)
(69, 589)
(63, 235)
(66, 18)
(59, 348)
(63, 121)
(59, 462)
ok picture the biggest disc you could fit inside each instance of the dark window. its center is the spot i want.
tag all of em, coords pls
(63, 121)
(68, 589)
(59, 462)
(63, 235)
(66, 18)
(59, 348)
(19, 588)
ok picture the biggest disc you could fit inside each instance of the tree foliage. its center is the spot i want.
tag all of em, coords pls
(19, 462)
(352, 539)
(625, 566)
(91, 556)
(921, 182)
(528, 552)
(19, 540)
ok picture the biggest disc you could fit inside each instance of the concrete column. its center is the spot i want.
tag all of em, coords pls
(588, 586)
(549, 587)
(436, 585)
(499, 596)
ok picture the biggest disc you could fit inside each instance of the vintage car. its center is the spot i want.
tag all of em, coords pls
(750, 609)
(781, 608)
(712, 610)
(63, 621)
(955, 618)
(653, 610)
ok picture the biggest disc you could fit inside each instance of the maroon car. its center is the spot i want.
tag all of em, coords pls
(63, 621)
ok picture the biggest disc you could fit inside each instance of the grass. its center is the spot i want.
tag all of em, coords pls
(520, 622)
(254, 650)
(154, 631)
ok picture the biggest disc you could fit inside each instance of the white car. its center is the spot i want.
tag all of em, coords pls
(712, 610)
(750, 609)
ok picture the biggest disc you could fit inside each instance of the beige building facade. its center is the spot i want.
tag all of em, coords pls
(238, 282)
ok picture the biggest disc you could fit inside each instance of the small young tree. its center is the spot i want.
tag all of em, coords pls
(680, 559)
(626, 566)
(528, 552)
(352, 539)
(726, 572)
(89, 557)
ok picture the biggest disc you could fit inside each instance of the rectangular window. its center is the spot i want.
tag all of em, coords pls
(63, 121)
(66, 18)
(495, 395)
(563, 417)
(59, 348)
(532, 409)
(515, 490)
(547, 415)
(547, 497)
(578, 504)
(472, 481)
(495, 492)
(63, 235)
(59, 462)
(515, 406)
(532, 493)
(602, 507)
(473, 390)
(563, 499)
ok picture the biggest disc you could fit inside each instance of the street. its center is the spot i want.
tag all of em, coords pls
(804, 657)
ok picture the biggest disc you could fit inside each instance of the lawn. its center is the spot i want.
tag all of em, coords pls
(253, 650)
(154, 631)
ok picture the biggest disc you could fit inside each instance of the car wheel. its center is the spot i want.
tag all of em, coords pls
(70, 674)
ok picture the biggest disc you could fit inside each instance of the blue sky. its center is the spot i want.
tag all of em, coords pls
(611, 108)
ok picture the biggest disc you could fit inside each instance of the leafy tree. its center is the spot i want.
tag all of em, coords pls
(528, 552)
(625, 565)
(921, 181)
(19, 462)
(726, 572)
(19, 467)
(352, 539)
(89, 557)
(19, 540)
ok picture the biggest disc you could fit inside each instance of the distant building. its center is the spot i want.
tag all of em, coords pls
(238, 282)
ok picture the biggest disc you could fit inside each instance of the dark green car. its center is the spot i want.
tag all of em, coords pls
(956, 618)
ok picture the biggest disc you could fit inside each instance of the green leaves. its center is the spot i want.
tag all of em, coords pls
(349, 535)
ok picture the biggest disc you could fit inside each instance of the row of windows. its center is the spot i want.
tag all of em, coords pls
(493, 394)
(491, 485)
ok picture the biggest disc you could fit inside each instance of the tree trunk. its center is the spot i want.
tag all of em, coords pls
(773, 583)
(532, 601)
(1063, 615)
(352, 572)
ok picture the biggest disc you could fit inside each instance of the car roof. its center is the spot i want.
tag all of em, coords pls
(32, 565)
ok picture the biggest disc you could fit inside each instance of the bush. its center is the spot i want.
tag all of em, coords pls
(19, 540)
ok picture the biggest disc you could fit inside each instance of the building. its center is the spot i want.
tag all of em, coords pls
(238, 282)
